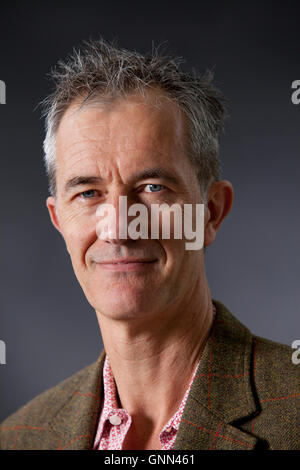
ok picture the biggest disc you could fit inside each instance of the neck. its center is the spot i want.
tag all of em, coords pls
(153, 360)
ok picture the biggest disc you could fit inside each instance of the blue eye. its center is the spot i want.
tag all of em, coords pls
(154, 188)
(88, 194)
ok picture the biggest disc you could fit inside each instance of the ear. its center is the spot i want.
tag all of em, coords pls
(219, 203)
(51, 204)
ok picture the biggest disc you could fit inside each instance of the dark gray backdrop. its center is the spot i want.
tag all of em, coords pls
(253, 267)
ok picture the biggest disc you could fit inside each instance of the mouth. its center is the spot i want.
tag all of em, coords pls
(127, 264)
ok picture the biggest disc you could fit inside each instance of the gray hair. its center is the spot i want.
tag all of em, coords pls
(103, 71)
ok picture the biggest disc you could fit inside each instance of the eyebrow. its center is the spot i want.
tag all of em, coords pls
(156, 172)
(142, 175)
(81, 180)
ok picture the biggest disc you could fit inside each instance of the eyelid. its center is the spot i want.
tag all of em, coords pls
(86, 191)
(155, 184)
(141, 187)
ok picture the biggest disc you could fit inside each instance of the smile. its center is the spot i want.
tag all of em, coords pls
(126, 264)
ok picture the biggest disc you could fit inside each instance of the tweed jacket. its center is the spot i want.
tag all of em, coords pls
(244, 396)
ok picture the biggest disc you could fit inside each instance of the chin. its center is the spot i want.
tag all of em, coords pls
(119, 311)
(123, 305)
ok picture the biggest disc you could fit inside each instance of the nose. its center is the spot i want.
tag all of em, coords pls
(112, 219)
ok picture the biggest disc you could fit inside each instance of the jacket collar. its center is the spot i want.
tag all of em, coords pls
(220, 396)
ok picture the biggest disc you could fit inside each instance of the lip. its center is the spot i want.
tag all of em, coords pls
(126, 264)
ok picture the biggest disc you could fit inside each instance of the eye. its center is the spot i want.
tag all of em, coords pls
(153, 188)
(88, 194)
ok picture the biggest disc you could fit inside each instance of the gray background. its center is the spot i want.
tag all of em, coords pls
(253, 267)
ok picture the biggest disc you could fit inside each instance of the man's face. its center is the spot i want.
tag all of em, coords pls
(135, 149)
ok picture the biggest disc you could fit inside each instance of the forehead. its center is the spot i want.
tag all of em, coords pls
(131, 132)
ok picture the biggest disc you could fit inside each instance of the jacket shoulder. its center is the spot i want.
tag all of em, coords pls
(38, 411)
(275, 374)
(272, 368)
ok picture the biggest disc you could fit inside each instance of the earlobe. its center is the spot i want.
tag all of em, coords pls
(51, 205)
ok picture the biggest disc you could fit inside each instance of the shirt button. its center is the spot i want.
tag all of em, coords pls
(169, 429)
(115, 419)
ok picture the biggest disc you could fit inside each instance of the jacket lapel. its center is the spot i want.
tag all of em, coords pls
(221, 395)
(74, 426)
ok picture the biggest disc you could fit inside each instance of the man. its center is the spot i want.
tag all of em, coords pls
(178, 371)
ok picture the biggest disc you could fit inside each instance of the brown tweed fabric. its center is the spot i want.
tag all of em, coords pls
(245, 396)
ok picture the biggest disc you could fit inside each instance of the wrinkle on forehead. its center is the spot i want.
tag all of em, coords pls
(152, 102)
(95, 136)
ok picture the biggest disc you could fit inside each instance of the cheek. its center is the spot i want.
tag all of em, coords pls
(179, 260)
(79, 233)
(174, 255)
